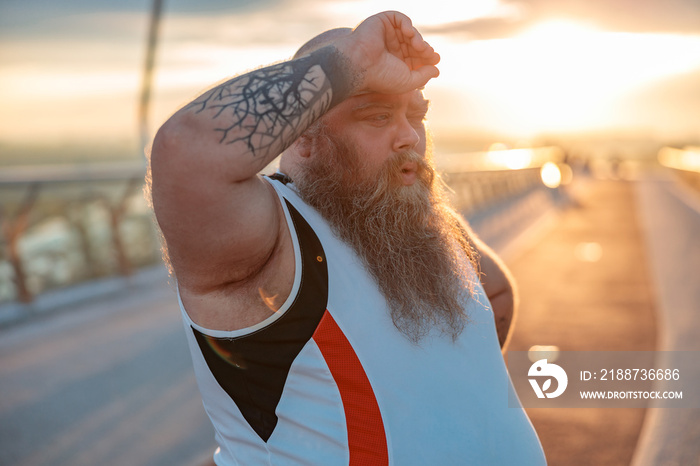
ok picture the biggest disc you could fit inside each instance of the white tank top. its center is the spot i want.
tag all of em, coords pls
(329, 380)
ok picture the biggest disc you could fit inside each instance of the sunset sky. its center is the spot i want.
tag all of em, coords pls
(70, 70)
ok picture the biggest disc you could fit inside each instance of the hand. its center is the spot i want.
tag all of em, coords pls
(390, 55)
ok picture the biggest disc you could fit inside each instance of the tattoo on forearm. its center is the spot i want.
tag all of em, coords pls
(268, 109)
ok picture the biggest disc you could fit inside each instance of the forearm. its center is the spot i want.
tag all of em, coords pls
(252, 118)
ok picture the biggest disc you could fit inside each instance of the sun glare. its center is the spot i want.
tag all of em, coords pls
(551, 175)
(513, 159)
(561, 74)
(439, 12)
(564, 29)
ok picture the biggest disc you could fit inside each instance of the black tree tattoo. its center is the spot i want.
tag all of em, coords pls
(267, 109)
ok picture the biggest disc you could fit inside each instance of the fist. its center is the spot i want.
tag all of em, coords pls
(389, 55)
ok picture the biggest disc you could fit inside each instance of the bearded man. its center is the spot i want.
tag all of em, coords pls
(334, 310)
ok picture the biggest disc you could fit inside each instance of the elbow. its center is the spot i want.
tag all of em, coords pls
(167, 141)
(171, 153)
(167, 161)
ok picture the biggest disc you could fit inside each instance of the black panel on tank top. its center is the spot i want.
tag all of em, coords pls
(253, 368)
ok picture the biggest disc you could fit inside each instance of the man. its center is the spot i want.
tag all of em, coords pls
(333, 310)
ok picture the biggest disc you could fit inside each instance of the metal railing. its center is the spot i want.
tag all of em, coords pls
(481, 179)
(685, 164)
(66, 224)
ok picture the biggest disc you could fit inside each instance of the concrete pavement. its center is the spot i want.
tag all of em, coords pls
(106, 382)
(585, 286)
(671, 222)
(110, 381)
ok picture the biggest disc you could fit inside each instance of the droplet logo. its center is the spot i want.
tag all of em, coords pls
(543, 369)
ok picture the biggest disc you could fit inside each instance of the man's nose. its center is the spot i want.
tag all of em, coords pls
(406, 137)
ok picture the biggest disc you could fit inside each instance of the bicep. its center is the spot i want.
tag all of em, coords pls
(499, 287)
(497, 282)
(495, 277)
(216, 230)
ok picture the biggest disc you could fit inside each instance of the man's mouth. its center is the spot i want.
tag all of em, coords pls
(409, 173)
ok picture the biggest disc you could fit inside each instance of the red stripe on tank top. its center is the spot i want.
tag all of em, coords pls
(366, 436)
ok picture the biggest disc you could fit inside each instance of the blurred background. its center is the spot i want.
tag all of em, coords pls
(568, 133)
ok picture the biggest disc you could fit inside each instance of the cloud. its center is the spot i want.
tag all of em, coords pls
(667, 16)
(48, 18)
(281, 25)
(479, 28)
(624, 15)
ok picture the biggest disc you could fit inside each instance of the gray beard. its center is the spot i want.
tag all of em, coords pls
(408, 237)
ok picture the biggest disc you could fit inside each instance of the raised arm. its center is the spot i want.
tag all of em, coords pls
(219, 220)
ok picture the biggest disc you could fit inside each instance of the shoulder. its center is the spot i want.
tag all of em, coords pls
(218, 298)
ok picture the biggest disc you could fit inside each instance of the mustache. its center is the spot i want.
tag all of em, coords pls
(393, 166)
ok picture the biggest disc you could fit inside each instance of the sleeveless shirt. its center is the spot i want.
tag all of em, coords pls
(329, 380)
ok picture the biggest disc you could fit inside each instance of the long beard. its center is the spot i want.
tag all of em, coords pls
(407, 236)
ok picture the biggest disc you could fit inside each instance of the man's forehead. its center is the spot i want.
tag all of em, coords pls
(413, 99)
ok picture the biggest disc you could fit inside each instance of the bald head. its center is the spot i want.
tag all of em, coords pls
(321, 40)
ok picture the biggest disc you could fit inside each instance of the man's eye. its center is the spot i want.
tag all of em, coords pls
(380, 117)
(417, 119)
